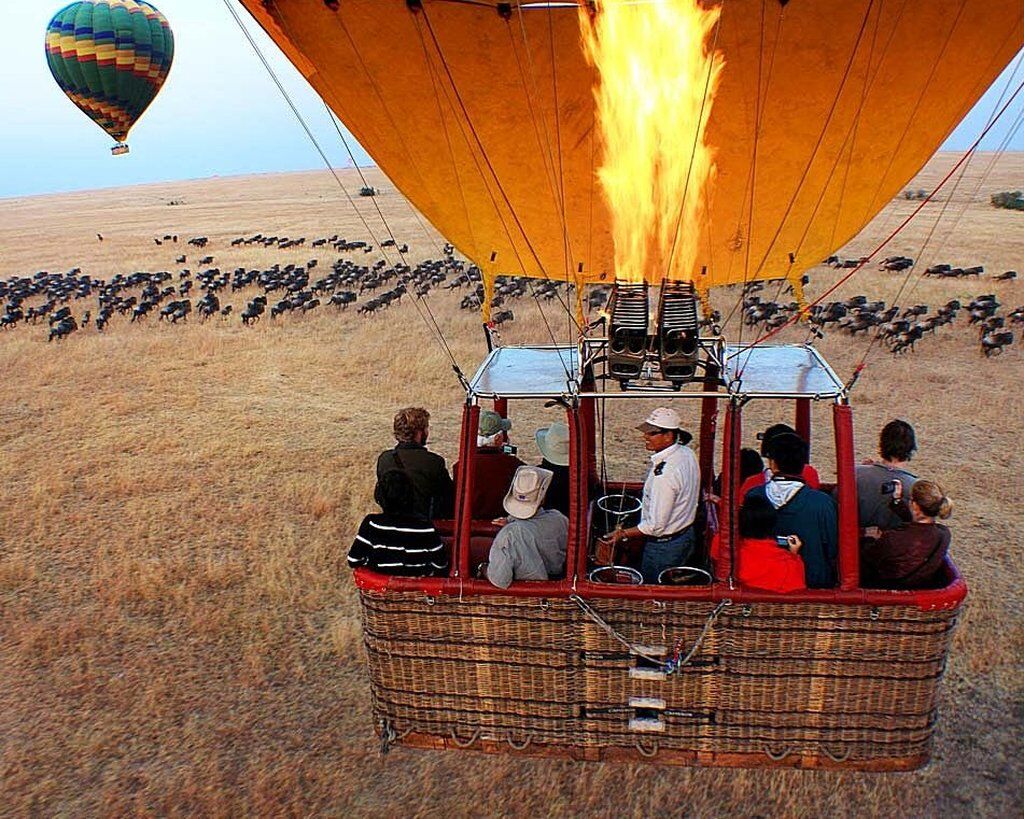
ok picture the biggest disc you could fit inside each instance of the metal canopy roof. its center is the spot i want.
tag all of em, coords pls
(764, 371)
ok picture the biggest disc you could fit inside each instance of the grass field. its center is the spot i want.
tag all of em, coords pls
(178, 633)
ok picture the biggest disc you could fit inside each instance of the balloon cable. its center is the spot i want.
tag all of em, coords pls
(435, 329)
(970, 151)
(913, 268)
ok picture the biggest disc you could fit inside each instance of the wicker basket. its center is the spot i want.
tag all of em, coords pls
(796, 684)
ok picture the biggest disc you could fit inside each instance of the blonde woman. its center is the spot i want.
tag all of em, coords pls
(910, 556)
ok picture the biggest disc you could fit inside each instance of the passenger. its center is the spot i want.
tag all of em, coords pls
(532, 545)
(493, 467)
(671, 492)
(810, 474)
(876, 479)
(397, 541)
(762, 562)
(751, 465)
(909, 557)
(802, 511)
(432, 486)
(553, 443)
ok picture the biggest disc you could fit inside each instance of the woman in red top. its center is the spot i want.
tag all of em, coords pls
(761, 562)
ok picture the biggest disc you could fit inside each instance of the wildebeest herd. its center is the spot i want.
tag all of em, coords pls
(283, 289)
(299, 289)
(897, 328)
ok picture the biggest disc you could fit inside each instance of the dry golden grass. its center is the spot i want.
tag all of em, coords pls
(178, 634)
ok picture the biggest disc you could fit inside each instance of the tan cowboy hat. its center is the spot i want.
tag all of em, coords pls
(553, 443)
(526, 494)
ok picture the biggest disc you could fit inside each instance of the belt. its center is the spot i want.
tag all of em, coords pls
(666, 538)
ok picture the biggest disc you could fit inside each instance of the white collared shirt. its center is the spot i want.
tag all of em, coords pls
(671, 491)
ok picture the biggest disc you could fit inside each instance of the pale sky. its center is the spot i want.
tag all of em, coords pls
(219, 112)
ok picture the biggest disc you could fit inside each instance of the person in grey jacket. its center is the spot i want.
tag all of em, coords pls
(532, 545)
(875, 480)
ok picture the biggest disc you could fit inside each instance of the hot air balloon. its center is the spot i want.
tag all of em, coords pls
(490, 117)
(111, 58)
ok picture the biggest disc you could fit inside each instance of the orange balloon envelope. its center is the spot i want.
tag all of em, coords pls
(483, 114)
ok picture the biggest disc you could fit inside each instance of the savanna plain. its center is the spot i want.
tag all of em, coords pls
(178, 632)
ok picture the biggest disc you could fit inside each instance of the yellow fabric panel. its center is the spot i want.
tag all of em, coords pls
(490, 132)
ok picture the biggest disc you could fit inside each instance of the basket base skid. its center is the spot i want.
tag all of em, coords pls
(669, 756)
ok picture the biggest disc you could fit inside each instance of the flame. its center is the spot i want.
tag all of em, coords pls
(657, 81)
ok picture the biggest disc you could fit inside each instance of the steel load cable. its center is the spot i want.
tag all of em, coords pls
(435, 330)
(900, 227)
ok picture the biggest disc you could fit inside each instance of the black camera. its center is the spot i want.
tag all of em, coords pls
(508, 449)
(782, 540)
(889, 487)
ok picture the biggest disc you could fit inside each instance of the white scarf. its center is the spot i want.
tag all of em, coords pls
(781, 491)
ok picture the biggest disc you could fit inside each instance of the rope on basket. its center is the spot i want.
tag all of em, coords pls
(653, 752)
(845, 755)
(778, 757)
(519, 746)
(675, 663)
(389, 736)
(466, 744)
(668, 666)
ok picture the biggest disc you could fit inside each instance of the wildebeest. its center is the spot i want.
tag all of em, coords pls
(342, 299)
(254, 310)
(63, 328)
(993, 343)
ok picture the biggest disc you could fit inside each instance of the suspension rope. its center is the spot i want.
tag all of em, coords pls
(751, 186)
(494, 202)
(917, 104)
(693, 149)
(821, 137)
(434, 330)
(912, 269)
(422, 13)
(428, 316)
(905, 222)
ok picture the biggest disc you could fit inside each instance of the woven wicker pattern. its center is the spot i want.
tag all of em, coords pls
(793, 684)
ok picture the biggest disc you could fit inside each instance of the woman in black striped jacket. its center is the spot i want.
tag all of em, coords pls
(395, 541)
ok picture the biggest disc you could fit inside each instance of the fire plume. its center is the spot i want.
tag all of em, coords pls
(657, 78)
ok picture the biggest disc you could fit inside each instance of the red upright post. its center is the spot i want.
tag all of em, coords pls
(589, 451)
(730, 487)
(802, 422)
(464, 491)
(578, 470)
(708, 427)
(846, 493)
(501, 407)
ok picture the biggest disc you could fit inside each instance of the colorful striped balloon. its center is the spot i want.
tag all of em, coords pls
(110, 57)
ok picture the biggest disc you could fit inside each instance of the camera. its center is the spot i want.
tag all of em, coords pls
(782, 540)
(508, 449)
(889, 487)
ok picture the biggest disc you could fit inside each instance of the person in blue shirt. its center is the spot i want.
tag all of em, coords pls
(807, 513)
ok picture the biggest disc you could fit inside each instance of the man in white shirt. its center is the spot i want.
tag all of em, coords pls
(671, 492)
